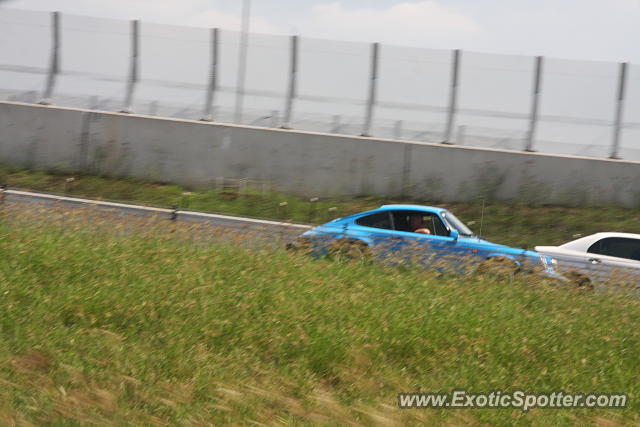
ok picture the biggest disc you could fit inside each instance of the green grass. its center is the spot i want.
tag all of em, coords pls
(150, 329)
(517, 225)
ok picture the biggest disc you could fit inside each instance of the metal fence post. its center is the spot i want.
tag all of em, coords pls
(453, 97)
(617, 126)
(93, 102)
(207, 116)
(275, 118)
(462, 131)
(54, 67)
(133, 72)
(368, 121)
(336, 125)
(242, 61)
(397, 130)
(293, 84)
(535, 104)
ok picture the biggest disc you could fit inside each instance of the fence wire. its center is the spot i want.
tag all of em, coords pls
(584, 108)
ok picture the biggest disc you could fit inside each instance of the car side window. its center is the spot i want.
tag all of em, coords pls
(376, 220)
(617, 247)
(431, 221)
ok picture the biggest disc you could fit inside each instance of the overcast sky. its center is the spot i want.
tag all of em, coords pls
(582, 29)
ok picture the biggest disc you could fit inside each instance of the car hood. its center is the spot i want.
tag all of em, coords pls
(507, 249)
(481, 241)
(478, 240)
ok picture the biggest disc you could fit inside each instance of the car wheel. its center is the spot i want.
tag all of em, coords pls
(349, 249)
(501, 267)
(579, 280)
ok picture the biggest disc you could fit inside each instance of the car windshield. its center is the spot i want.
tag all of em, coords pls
(455, 224)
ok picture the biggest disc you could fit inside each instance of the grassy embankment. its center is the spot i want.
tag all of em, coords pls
(518, 225)
(149, 329)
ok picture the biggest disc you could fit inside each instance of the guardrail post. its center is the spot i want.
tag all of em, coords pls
(133, 72)
(535, 104)
(373, 86)
(453, 96)
(312, 208)
(68, 186)
(293, 84)
(207, 115)
(617, 125)
(282, 210)
(54, 67)
(332, 213)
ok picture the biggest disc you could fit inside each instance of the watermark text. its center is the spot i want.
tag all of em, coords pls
(518, 399)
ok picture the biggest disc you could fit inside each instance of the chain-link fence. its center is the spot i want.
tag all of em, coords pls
(510, 102)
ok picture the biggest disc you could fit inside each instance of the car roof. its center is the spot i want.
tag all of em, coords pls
(583, 243)
(613, 234)
(410, 207)
(387, 208)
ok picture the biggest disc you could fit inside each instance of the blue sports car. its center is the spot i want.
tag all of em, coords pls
(429, 236)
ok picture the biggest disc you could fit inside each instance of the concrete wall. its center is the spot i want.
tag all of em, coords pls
(307, 164)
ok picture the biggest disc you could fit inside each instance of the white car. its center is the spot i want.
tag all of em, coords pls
(602, 257)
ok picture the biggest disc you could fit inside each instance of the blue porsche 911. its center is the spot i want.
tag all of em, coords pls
(429, 236)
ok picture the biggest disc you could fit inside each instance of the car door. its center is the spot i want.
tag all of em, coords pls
(376, 229)
(616, 259)
(435, 250)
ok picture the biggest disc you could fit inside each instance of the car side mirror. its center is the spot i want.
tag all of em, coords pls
(454, 235)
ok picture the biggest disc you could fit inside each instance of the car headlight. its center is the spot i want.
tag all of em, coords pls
(548, 262)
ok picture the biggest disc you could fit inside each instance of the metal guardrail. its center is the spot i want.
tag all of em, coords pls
(285, 231)
(172, 214)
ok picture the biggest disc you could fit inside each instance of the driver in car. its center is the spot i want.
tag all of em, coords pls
(417, 225)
